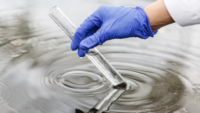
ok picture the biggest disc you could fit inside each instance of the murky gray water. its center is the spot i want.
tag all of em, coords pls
(40, 74)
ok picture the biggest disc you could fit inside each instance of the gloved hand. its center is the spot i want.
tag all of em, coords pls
(110, 22)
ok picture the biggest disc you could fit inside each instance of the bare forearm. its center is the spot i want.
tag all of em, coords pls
(158, 15)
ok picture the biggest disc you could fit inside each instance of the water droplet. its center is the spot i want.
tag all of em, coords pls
(24, 51)
(175, 93)
(163, 63)
(104, 79)
(185, 110)
(15, 55)
(17, 42)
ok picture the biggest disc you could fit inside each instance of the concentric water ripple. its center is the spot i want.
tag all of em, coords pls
(157, 84)
(6, 96)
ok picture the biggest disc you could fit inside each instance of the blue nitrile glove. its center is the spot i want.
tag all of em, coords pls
(111, 22)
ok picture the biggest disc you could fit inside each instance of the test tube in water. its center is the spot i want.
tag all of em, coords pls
(105, 103)
(94, 55)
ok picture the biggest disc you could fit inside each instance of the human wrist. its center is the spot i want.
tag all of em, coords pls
(158, 15)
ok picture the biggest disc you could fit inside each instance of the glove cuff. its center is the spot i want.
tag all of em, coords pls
(145, 24)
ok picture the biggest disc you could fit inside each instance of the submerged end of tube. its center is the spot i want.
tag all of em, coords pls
(53, 9)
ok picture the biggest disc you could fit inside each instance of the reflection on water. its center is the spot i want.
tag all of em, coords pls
(40, 74)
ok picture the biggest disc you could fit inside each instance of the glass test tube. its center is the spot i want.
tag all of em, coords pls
(106, 101)
(94, 55)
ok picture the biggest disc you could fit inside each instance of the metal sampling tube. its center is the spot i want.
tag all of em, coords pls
(94, 55)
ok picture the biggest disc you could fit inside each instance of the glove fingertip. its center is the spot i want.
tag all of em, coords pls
(81, 53)
(74, 46)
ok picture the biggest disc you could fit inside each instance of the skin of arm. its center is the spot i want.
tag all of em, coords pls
(158, 15)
